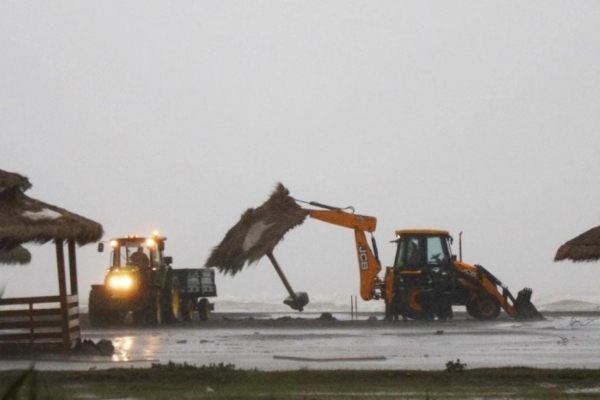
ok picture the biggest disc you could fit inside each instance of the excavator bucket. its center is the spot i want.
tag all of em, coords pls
(524, 307)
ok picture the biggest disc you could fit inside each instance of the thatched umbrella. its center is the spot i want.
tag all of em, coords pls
(18, 255)
(585, 247)
(256, 234)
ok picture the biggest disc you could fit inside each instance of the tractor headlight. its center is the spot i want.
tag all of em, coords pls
(120, 282)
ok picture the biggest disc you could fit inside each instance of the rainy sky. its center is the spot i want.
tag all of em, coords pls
(475, 117)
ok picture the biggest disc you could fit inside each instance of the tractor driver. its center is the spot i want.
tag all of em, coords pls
(140, 258)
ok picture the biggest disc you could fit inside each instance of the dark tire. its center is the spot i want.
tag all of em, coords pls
(152, 310)
(98, 312)
(415, 307)
(171, 300)
(187, 309)
(484, 308)
(204, 309)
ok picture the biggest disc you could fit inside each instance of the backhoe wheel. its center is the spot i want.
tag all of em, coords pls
(171, 299)
(187, 309)
(484, 308)
(204, 309)
(414, 307)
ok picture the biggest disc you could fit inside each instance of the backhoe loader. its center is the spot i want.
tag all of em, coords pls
(426, 279)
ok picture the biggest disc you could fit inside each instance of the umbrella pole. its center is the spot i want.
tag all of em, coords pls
(281, 275)
(297, 300)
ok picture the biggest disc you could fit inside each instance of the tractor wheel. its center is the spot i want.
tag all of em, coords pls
(187, 309)
(204, 309)
(171, 300)
(98, 311)
(152, 311)
(484, 308)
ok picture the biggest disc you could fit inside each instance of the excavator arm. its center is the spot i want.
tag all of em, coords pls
(368, 260)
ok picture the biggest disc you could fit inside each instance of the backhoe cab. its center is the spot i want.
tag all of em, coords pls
(426, 280)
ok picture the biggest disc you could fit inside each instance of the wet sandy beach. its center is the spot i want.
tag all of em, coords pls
(254, 341)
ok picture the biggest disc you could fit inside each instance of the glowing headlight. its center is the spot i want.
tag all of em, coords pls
(120, 282)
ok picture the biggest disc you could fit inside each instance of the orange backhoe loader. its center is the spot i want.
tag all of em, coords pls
(426, 279)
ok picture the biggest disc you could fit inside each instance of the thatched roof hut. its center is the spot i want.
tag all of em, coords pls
(585, 247)
(27, 220)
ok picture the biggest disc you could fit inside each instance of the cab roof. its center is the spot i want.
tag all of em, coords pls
(421, 231)
(135, 238)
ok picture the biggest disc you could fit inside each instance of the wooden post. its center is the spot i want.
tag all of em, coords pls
(62, 294)
(73, 267)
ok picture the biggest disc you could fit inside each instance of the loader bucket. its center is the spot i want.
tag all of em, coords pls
(524, 307)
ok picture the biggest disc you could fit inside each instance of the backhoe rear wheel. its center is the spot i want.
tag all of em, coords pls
(415, 307)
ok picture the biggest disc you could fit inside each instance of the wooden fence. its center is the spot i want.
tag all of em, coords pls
(30, 323)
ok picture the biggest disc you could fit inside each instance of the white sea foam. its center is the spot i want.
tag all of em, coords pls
(266, 303)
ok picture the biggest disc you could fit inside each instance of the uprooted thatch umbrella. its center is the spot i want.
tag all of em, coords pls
(585, 247)
(256, 234)
(18, 255)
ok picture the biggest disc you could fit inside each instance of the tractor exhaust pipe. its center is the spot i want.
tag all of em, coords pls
(460, 246)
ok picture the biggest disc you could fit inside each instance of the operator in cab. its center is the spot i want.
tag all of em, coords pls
(140, 258)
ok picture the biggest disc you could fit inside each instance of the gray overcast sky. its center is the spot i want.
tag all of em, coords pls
(470, 116)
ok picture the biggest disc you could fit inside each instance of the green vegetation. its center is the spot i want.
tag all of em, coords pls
(455, 366)
(219, 381)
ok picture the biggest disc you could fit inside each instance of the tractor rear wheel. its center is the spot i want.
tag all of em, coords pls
(171, 300)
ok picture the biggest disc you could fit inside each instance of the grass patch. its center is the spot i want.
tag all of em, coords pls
(219, 381)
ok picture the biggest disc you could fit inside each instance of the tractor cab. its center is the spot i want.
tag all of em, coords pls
(143, 252)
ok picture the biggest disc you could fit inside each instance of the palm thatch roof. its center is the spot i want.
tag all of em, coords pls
(18, 255)
(24, 219)
(257, 233)
(585, 247)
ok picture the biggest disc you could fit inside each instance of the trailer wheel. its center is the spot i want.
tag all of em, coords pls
(171, 299)
(204, 309)
(187, 309)
(484, 308)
